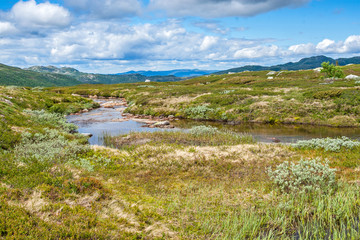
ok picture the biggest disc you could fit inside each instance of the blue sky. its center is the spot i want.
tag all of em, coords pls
(111, 36)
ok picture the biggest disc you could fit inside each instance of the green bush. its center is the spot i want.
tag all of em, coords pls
(331, 71)
(305, 176)
(327, 94)
(8, 138)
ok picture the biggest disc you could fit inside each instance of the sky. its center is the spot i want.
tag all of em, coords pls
(113, 36)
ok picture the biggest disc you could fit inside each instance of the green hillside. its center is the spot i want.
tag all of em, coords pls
(303, 64)
(19, 77)
(93, 78)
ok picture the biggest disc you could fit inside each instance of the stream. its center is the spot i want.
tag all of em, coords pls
(109, 121)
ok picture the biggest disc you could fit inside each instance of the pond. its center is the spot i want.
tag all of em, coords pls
(109, 121)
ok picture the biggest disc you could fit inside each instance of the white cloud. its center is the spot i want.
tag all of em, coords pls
(308, 48)
(351, 45)
(327, 46)
(208, 42)
(107, 8)
(32, 15)
(258, 52)
(7, 28)
(222, 8)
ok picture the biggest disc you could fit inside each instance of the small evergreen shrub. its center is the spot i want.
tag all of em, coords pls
(327, 94)
(8, 138)
(327, 144)
(305, 176)
(332, 71)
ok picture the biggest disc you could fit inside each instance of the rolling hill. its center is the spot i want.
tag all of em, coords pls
(93, 78)
(20, 77)
(303, 64)
(176, 72)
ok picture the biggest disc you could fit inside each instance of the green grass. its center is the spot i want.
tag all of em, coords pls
(12, 76)
(202, 183)
(194, 138)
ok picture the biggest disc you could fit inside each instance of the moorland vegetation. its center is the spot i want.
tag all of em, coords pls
(203, 183)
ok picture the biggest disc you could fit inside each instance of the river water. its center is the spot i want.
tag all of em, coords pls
(108, 121)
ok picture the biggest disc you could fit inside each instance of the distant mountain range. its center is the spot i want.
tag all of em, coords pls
(305, 63)
(18, 77)
(92, 78)
(177, 73)
(65, 76)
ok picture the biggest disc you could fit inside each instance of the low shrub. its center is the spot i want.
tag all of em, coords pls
(48, 146)
(304, 176)
(53, 119)
(8, 138)
(327, 144)
(327, 94)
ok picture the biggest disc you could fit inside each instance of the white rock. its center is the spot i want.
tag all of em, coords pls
(164, 123)
(352, 76)
(270, 78)
(147, 80)
(318, 69)
(271, 73)
(87, 134)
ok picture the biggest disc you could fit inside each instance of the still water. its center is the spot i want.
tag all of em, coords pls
(108, 121)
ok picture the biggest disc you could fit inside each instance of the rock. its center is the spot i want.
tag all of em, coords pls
(171, 116)
(352, 77)
(87, 134)
(163, 123)
(317, 69)
(275, 140)
(269, 78)
(271, 73)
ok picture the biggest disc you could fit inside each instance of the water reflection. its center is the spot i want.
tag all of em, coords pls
(109, 121)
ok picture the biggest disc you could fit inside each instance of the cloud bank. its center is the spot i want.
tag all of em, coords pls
(221, 8)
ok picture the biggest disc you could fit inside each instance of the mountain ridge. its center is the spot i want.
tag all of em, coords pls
(95, 78)
(302, 64)
(174, 72)
(19, 77)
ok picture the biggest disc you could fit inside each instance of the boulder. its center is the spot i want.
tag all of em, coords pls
(163, 123)
(271, 73)
(318, 69)
(352, 77)
(87, 134)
